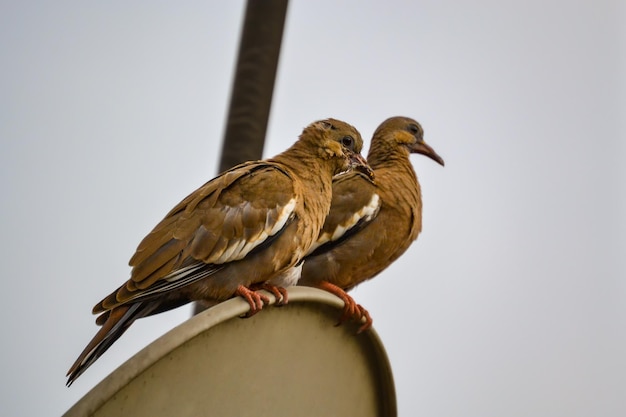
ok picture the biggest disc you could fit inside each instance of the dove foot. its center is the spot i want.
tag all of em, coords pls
(253, 298)
(351, 310)
(280, 293)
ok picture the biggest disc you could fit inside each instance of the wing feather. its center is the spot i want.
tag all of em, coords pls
(355, 204)
(222, 221)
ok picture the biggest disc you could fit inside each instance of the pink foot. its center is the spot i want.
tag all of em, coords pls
(253, 298)
(351, 310)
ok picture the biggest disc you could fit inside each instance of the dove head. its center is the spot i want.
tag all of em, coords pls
(400, 134)
(338, 141)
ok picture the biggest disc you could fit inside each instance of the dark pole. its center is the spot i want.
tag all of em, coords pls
(253, 85)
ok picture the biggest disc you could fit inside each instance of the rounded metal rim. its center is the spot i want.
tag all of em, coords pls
(203, 321)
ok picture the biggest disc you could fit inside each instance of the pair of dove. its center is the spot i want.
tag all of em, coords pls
(315, 215)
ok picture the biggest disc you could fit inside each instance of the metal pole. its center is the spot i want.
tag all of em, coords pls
(253, 85)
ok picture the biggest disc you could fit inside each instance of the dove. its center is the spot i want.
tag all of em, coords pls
(233, 235)
(372, 220)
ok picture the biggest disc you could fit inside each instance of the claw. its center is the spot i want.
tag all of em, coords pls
(279, 292)
(368, 319)
(351, 310)
(254, 299)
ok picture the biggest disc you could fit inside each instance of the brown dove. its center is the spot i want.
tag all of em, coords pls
(232, 235)
(371, 222)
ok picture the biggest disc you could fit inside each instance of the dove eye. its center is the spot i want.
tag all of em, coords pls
(413, 129)
(348, 142)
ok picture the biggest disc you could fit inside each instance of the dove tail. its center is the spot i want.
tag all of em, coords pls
(117, 321)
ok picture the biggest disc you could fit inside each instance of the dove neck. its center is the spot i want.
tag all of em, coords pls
(396, 158)
(402, 193)
(306, 165)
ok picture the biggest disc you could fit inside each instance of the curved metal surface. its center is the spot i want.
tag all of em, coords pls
(290, 361)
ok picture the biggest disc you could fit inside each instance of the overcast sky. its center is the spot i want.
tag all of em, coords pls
(513, 300)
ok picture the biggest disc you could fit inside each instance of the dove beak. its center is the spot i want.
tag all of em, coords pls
(424, 149)
(358, 163)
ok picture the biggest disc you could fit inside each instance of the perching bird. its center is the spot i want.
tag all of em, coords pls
(371, 222)
(232, 235)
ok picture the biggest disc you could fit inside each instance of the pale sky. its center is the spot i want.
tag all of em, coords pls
(513, 300)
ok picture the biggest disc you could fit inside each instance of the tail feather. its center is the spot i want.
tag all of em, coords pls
(117, 321)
